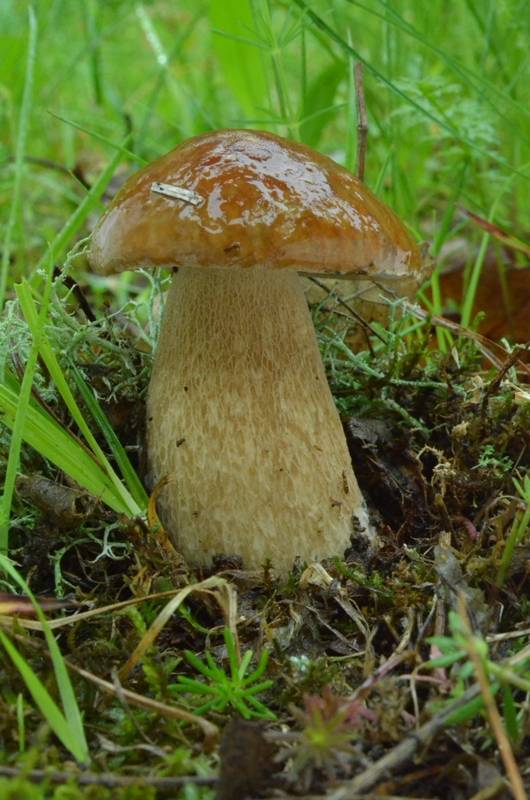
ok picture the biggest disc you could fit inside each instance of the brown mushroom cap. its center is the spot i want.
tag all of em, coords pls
(267, 202)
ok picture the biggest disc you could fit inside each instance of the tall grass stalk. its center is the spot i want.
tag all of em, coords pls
(440, 119)
(78, 218)
(130, 476)
(66, 723)
(22, 409)
(47, 354)
(233, 24)
(476, 270)
(20, 152)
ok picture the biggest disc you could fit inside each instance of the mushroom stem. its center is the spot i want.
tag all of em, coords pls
(241, 417)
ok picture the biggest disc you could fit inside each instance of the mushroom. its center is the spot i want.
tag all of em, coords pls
(239, 412)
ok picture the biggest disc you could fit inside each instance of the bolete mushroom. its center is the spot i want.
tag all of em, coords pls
(239, 412)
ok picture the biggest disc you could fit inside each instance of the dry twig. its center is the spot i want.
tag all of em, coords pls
(109, 780)
(362, 120)
(386, 766)
(505, 748)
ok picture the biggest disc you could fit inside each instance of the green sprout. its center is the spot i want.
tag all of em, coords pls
(330, 724)
(235, 689)
(489, 459)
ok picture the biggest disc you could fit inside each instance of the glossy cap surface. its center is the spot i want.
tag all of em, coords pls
(266, 202)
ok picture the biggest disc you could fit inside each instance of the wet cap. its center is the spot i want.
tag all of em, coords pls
(252, 199)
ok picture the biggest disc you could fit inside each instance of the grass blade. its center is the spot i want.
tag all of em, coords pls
(240, 61)
(178, 91)
(130, 476)
(20, 152)
(320, 95)
(59, 447)
(20, 415)
(439, 120)
(27, 305)
(99, 137)
(68, 728)
(48, 708)
(77, 219)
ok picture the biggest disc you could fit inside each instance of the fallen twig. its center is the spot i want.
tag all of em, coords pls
(386, 766)
(106, 779)
(362, 120)
(505, 748)
(210, 731)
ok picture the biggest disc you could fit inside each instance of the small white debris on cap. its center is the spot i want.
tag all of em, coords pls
(177, 193)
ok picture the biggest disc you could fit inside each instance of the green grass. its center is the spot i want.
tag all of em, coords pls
(91, 91)
(19, 412)
(162, 72)
(447, 104)
(236, 688)
(65, 722)
(196, 65)
(20, 154)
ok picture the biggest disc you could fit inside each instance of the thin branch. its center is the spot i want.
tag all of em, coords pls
(486, 346)
(505, 748)
(367, 328)
(209, 729)
(109, 780)
(403, 753)
(362, 120)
